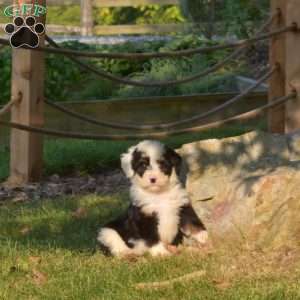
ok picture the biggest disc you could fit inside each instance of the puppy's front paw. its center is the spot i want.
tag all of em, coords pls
(159, 250)
(201, 237)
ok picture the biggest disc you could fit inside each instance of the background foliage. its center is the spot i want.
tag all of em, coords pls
(150, 14)
(237, 17)
(65, 81)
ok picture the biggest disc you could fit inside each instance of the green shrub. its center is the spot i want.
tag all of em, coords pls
(236, 17)
(66, 81)
(5, 74)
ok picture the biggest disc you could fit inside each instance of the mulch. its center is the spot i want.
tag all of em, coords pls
(57, 186)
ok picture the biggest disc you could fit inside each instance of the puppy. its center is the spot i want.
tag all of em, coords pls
(160, 213)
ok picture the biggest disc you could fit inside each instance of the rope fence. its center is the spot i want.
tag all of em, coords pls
(173, 54)
(162, 126)
(241, 45)
(283, 66)
(120, 80)
(197, 76)
(105, 75)
(115, 125)
(159, 135)
(195, 118)
(180, 53)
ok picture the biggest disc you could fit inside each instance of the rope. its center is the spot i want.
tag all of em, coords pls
(204, 50)
(120, 80)
(171, 54)
(142, 56)
(117, 79)
(149, 55)
(6, 108)
(242, 117)
(198, 117)
(135, 126)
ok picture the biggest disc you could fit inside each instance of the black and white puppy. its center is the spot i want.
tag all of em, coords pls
(160, 213)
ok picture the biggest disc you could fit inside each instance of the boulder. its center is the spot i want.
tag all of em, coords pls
(246, 189)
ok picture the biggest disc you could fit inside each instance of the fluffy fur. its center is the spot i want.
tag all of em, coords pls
(160, 213)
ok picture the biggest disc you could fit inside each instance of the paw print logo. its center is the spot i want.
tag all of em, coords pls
(24, 32)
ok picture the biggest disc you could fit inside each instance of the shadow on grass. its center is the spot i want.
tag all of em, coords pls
(66, 156)
(70, 223)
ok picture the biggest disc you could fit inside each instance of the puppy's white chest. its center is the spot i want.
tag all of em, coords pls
(166, 207)
(168, 224)
(168, 220)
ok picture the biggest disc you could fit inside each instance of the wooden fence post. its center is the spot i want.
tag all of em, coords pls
(87, 17)
(276, 116)
(292, 66)
(28, 81)
(285, 50)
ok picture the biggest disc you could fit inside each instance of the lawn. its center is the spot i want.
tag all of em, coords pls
(66, 156)
(48, 251)
(48, 248)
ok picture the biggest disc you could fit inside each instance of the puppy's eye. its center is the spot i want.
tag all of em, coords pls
(143, 163)
(164, 164)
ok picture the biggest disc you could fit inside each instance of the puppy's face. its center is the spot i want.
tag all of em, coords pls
(152, 166)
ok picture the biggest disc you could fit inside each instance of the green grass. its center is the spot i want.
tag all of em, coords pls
(66, 156)
(46, 253)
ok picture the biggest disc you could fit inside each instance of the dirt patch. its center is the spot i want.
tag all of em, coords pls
(58, 186)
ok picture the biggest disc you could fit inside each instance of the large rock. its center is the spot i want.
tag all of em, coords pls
(247, 189)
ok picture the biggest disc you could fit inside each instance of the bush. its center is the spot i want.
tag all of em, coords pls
(66, 81)
(5, 67)
(235, 16)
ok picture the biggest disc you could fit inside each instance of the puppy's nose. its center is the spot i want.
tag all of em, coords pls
(152, 180)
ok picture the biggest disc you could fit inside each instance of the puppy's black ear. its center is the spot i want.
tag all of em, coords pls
(126, 159)
(174, 158)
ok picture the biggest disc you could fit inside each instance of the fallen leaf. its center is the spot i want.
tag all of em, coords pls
(80, 213)
(39, 278)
